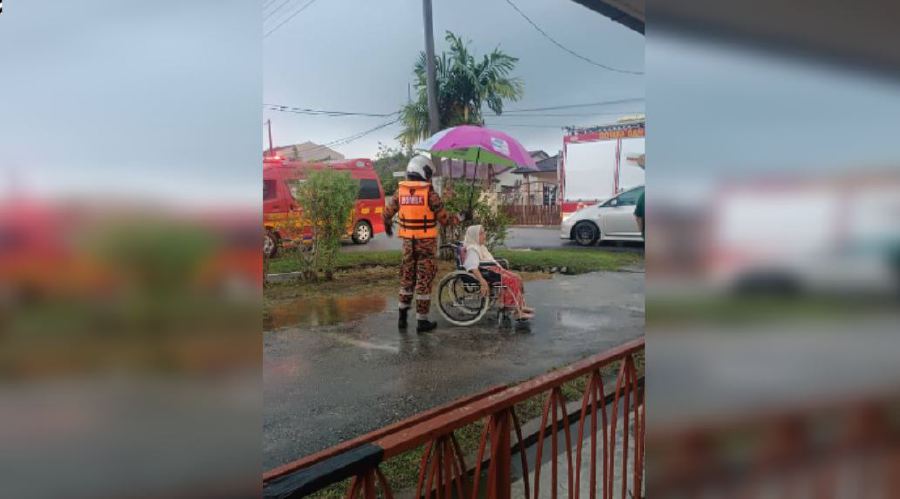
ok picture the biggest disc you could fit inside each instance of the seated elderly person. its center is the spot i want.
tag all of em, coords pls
(481, 264)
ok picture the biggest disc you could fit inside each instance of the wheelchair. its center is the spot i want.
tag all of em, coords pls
(459, 294)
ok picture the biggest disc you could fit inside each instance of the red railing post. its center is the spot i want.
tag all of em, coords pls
(499, 471)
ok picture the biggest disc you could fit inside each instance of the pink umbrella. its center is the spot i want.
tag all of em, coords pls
(479, 145)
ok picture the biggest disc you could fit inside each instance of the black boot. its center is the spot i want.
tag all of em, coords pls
(425, 325)
(401, 322)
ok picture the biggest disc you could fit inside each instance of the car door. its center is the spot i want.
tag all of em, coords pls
(272, 203)
(370, 203)
(276, 206)
(617, 215)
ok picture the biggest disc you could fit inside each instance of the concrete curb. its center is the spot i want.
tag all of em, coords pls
(287, 276)
(291, 276)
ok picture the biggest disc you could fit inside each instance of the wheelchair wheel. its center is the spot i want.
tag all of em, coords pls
(460, 300)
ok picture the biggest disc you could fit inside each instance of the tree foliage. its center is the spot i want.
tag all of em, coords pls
(467, 197)
(326, 199)
(464, 86)
(388, 161)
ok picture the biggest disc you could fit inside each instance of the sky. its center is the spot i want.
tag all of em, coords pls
(164, 99)
(353, 55)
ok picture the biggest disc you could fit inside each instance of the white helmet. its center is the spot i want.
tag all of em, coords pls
(419, 168)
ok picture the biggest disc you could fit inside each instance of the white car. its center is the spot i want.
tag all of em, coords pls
(610, 220)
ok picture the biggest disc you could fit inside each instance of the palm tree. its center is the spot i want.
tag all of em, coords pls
(463, 87)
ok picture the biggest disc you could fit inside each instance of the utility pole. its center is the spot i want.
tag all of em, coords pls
(431, 78)
(271, 148)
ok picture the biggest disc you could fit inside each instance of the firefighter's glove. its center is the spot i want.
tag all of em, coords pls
(389, 229)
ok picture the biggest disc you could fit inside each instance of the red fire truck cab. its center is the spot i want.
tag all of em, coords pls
(281, 212)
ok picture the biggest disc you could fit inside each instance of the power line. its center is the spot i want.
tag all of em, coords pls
(570, 106)
(321, 112)
(567, 49)
(282, 23)
(347, 140)
(267, 4)
(272, 12)
(351, 138)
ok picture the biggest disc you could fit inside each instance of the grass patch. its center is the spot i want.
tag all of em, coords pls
(573, 260)
(345, 260)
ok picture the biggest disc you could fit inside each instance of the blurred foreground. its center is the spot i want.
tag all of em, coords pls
(773, 273)
(127, 341)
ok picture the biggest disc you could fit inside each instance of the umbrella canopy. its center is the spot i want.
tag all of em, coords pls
(478, 145)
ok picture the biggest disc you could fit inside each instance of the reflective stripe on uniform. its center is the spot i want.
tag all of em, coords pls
(417, 219)
(418, 223)
(423, 297)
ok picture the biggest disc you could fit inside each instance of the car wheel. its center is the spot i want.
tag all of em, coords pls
(586, 233)
(270, 245)
(362, 233)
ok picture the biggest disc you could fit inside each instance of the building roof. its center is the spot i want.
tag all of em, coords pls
(544, 165)
(629, 13)
(307, 151)
(538, 154)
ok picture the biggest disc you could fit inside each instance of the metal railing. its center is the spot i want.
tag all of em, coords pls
(605, 459)
(835, 449)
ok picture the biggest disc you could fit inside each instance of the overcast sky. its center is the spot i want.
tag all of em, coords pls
(353, 55)
(165, 98)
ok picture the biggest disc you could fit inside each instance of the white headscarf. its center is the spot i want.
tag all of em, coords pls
(472, 243)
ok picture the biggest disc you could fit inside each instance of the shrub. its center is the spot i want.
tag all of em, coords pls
(464, 196)
(387, 161)
(326, 199)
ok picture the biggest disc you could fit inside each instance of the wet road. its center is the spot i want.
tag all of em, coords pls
(337, 367)
(519, 237)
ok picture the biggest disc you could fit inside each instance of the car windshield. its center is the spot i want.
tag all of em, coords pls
(629, 198)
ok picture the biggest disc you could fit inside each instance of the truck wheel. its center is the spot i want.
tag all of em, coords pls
(270, 244)
(586, 233)
(362, 233)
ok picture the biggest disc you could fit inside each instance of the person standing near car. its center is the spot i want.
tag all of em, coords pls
(420, 210)
(639, 213)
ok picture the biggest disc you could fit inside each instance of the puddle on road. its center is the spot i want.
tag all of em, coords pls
(583, 319)
(323, 311)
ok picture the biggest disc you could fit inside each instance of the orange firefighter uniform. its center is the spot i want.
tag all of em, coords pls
(420, 210)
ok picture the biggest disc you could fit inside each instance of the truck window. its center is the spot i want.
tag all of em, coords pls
(294, 186)
(368, 189)
(268, 189)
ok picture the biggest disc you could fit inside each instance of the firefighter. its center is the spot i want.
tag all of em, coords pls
(420, 210)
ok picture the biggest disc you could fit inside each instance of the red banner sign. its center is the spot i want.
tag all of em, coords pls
(618, 133)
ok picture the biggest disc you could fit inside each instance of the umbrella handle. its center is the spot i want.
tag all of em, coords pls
(472, 190)
(469, 213)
